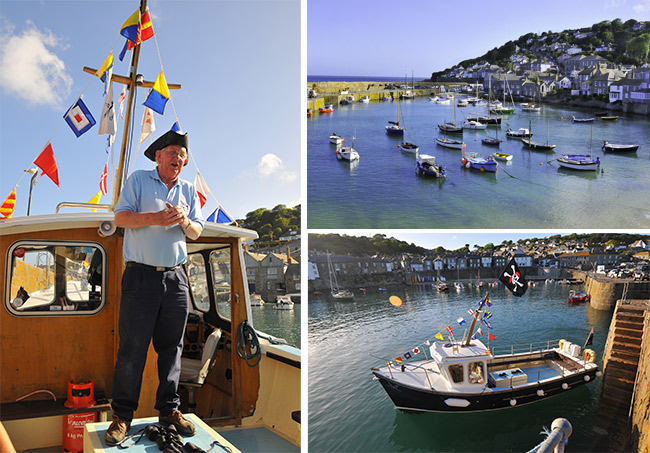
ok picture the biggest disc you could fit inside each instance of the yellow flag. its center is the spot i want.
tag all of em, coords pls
(439, 336)
(95, 199)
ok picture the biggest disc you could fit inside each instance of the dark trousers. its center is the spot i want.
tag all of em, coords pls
(154, 306)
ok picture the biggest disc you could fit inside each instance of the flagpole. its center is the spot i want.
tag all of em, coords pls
(478, 312)
(117, 185)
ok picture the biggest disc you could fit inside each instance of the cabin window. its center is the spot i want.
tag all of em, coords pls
(220, 265)
(476, 373)
(198, 282)
(55, 278)
(456, 373)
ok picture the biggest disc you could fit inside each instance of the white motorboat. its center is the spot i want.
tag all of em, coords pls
(283, 303)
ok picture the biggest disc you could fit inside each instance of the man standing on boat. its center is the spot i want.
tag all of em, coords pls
(157, 210)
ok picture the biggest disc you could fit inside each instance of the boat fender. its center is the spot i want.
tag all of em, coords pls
(456, 402)
(565, 386)
(587, 378)
(589, 355)
(467, 165)
(513, 402)
(540, 392)
(561, 344)
(464, 161)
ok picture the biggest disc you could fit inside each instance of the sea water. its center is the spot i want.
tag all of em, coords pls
(279, 323)
(381, 189)
(349, 411)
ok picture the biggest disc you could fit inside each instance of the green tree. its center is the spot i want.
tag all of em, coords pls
(639, 47)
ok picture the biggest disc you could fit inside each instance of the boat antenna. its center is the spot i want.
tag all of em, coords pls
(476, 315)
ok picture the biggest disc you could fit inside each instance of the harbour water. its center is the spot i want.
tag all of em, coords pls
(279, 323)
(348, 411)
(381, 189)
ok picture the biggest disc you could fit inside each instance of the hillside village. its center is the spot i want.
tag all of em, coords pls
(539, 260)
(597, 63)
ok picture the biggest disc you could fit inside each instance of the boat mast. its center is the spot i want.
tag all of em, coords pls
(119, 176)
(476, 315)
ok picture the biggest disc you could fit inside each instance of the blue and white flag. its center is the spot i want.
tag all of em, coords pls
(79, 118)
(460, 321)
(219, 216)
(486, 323)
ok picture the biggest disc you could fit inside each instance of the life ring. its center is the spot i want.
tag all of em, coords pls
(589, 355)
(561, 344)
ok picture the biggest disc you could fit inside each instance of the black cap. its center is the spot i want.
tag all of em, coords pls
(162, 142)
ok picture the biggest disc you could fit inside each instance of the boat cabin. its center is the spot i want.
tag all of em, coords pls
(61, 296)
(464, 367)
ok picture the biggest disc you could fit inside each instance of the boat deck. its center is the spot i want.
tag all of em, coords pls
(232, 439)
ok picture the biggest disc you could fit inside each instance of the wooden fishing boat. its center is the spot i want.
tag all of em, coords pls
(67, 269)
(583, 120)
(528, 143)
(336, 139)
(448, 143)
(618, 148)
(609, 118)
(478, 162)
(520, 133)
(408, 147)
(579, 162)
(502, 156)
(578, 297)
(491, 141)
(489, 120)
(327, 109)
(283, 302)
(530, 108)
(426, 165)
(450, 128)
(467, 376)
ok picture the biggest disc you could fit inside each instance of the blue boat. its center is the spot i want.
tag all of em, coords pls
(478, 162)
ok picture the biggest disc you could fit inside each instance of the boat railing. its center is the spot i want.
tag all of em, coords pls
(70, 204)
(524, 348)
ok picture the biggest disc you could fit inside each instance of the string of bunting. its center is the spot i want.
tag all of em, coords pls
(511, 277)
(136, 29)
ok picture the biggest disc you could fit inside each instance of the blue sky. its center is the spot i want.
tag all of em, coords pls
(388, 38)
(239, 64)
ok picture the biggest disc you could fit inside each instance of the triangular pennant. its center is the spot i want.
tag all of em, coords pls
(95, 199)
(7, 207)
(202, 188)
(47, 163)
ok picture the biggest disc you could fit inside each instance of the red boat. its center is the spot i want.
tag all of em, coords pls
(578, 297)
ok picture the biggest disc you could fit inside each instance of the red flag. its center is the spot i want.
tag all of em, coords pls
(450, 331)
(7, 206)
(102, 181)
(491, 337)
(46, 162)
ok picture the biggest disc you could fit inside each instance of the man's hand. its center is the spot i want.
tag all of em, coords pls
(174, 215)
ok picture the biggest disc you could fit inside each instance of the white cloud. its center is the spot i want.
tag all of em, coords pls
(271, 165)
(30, 69)
(642, 6)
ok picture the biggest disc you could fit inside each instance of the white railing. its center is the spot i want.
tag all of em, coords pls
(524, 348)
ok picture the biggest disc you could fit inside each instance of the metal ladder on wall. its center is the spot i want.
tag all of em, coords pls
(626, 286)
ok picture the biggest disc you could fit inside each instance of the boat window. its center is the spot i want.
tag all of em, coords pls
(55, 278)
(198, 282)
(456, 373)
(220, 266)
(476, 373)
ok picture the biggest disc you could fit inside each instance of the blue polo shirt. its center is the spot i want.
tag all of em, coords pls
(144, 191)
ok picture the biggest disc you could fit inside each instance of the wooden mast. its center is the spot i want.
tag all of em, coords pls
(476, 315)
(117, 184)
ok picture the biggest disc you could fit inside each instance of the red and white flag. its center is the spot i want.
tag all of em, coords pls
(122, 97)
(201, 188)
(148, 125)
(102, 181)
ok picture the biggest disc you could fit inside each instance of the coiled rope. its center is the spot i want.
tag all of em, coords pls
(246, 334)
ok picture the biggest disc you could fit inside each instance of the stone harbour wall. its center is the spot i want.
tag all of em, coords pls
(641, 409)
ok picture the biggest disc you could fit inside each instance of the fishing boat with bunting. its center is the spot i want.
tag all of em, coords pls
(61, 288)
(468, 376)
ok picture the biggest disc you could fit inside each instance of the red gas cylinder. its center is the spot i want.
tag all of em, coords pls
(79, 395)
